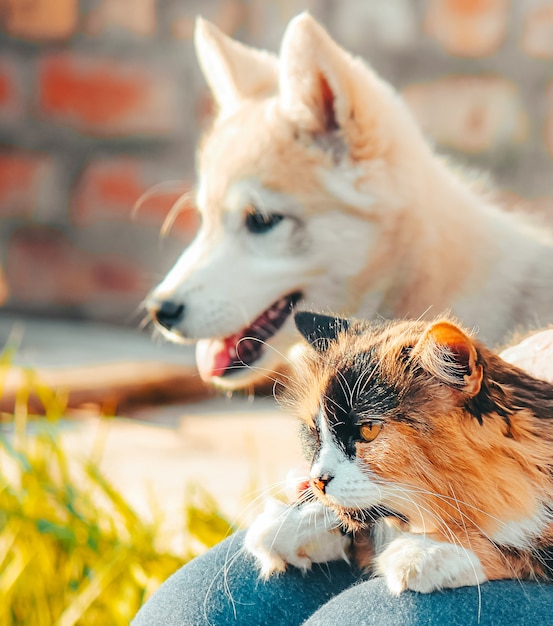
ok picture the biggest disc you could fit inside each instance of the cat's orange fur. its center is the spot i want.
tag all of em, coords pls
(470, 440)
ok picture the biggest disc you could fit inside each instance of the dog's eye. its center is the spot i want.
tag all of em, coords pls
(259, 223)
(370, 431)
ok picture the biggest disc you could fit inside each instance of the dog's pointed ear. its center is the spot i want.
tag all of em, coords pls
(325, 90)
(320, 331)
(232, 70)
(450, 355)
(313, 83)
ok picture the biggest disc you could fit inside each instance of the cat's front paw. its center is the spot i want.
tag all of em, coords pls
(295, 535)
(422, 564)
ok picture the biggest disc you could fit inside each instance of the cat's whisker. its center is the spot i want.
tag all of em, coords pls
(358, 383)
(258, 496)
(423, 314)
(441, 523)
(409, 491)
(382, 407)
(366, 383)
(285, 358)
(265, 372)
(346, 390)
(331, 400)
(471, 548)
(453, 519)
(448, 499)
(282, 517)
(224, 571)
(272, 490)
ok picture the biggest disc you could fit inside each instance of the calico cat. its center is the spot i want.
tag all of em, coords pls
(431, 459)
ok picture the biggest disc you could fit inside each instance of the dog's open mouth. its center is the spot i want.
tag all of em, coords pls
(223, 357)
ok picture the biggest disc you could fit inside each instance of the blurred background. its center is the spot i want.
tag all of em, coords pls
(101, 105)
(101, 100)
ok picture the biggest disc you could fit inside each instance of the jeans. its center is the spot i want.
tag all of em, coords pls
(222, 587)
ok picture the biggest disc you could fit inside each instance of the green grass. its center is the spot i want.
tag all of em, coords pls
(72, 549)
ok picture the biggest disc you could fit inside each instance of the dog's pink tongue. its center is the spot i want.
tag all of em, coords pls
(214, 356)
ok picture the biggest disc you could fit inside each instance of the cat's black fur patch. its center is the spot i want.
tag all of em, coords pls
(506, 390)
(539, 562)
(356, 393)
(319, 330)
(545, 558)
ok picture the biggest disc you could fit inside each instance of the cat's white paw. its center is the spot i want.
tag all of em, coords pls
(421, 564)
(295, 535)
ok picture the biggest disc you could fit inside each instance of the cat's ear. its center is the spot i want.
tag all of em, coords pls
(450, 355)
(232, 70)
(319, 330)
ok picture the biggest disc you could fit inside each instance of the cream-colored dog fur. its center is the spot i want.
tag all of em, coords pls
(371, 221)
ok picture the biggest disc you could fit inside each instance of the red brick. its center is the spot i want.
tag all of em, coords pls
(141, 20)
(23, 178)
(45, 269)
(11, 105)
(105, 96)
(469, 28)
(40, 19)
(470, 113)
(6, 90)
(537, 36)
(124, 190)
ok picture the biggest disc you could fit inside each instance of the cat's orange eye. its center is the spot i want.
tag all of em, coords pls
(370, 431)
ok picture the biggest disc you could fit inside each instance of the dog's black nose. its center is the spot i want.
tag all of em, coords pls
(168, 314)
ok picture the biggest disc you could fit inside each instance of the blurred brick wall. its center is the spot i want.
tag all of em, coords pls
(102, 100)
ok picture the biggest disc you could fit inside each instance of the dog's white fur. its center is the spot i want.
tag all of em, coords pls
(375, 223)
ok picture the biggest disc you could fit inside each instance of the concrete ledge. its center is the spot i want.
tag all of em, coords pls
(107, 366)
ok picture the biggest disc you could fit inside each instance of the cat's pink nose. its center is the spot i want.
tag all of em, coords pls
(321, 482)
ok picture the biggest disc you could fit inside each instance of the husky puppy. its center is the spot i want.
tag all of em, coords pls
(315, 185)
